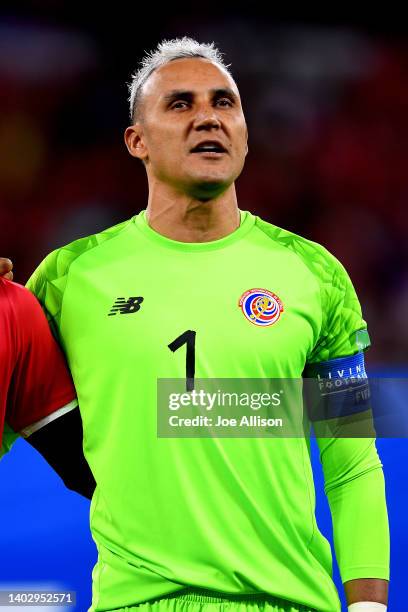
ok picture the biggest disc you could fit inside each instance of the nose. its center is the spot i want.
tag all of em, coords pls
(206, 118)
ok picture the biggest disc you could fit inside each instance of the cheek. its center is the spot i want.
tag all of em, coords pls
(160, 152)
(240, 138)
(241, 146)
(164, 147)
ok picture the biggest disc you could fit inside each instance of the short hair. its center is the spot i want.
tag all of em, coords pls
(167, 51)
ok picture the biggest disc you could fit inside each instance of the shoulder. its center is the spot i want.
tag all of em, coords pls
(321, 263)
(16, 298)
(51, 275)
(57, 263)
(21, 312)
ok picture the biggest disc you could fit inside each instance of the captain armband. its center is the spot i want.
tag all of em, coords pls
(336, 388)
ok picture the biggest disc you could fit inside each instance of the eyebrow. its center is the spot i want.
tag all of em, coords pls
(183, 94)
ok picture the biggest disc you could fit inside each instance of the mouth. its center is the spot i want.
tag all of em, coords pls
(209, 148)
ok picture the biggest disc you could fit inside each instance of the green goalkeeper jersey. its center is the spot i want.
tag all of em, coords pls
(234, 515)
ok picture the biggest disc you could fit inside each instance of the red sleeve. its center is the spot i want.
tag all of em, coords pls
(41, 382)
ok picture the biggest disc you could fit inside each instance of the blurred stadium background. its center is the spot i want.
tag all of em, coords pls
(326, 104)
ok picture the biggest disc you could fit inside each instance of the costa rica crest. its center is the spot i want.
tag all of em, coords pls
(260, 306)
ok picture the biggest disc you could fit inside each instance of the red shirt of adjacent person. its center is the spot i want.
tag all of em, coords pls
(34, 379)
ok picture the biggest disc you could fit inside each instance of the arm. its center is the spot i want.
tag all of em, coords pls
(354, 479)
(42, 404)
(354, 485)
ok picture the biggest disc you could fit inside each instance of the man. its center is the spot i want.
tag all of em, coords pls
(37, 395)
(182, 523)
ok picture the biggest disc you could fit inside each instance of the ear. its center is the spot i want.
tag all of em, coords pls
(135, 143)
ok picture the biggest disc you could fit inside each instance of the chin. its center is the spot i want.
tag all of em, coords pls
(211, 177)
(209, 186)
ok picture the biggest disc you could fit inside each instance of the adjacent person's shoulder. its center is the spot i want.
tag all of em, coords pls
(20, 311)
(16, 297)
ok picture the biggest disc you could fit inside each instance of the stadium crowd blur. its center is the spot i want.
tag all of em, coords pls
(328, 157)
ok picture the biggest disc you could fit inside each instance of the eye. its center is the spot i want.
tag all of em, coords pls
(224, 102)
(177, 104)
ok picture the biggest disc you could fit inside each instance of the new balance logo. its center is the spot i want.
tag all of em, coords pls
(123, 306)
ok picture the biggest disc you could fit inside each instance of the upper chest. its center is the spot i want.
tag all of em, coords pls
(246, 305)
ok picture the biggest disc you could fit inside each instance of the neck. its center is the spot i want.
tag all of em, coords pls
(181, 217)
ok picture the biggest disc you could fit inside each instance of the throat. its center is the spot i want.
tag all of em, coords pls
(194, 225)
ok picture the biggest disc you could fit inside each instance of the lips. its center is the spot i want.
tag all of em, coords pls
(209, 146)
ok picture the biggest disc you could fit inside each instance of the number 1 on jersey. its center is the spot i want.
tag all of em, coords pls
(188, 337)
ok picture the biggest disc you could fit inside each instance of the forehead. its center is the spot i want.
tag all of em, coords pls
(188, 74)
